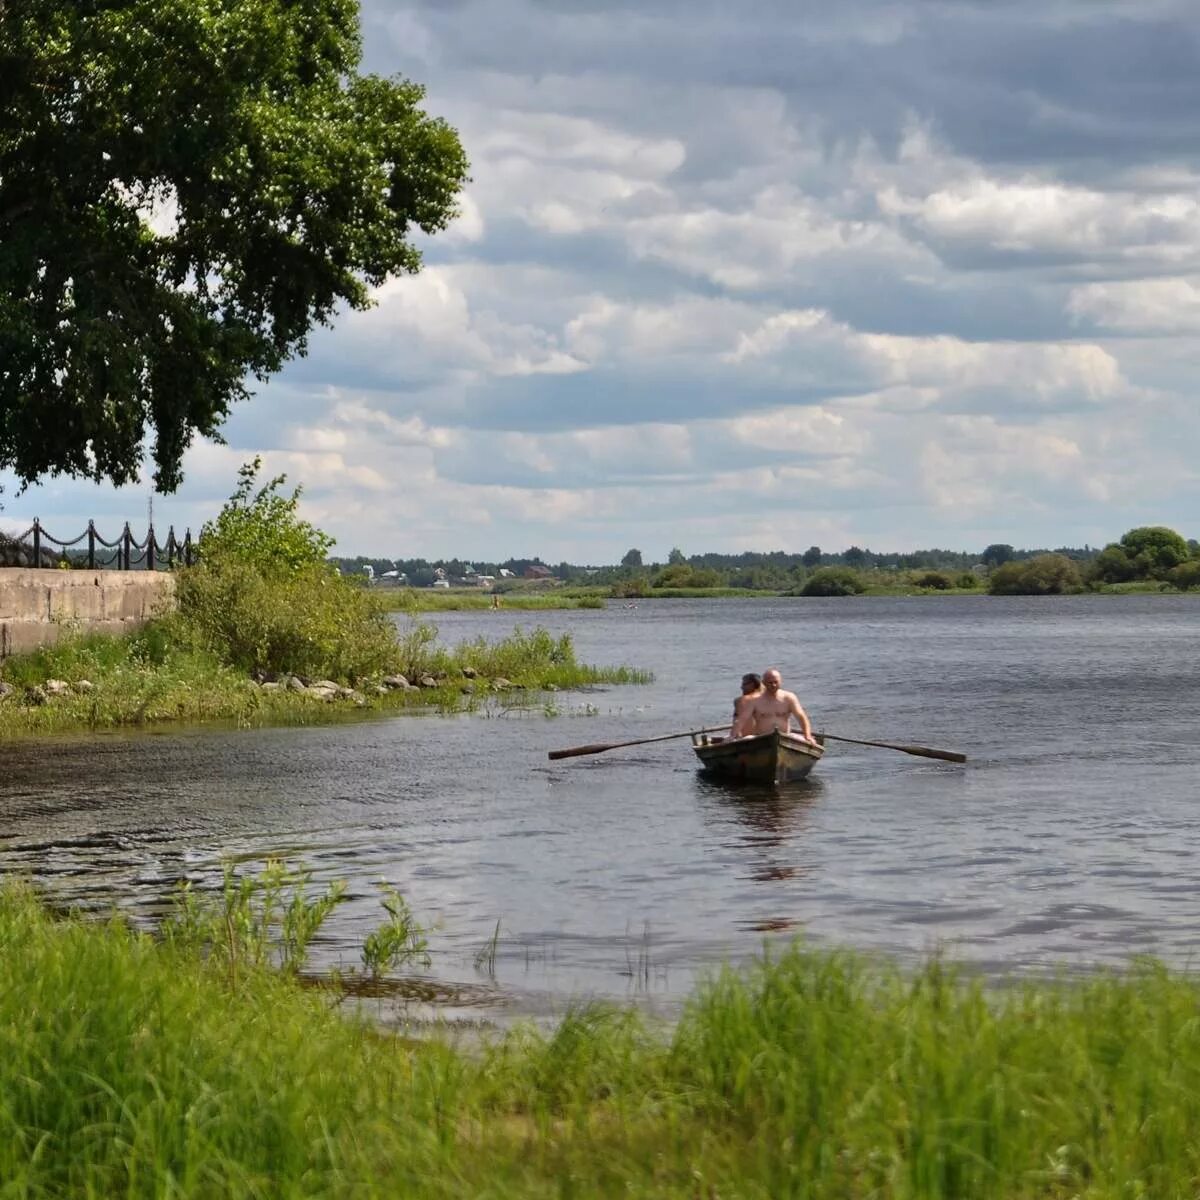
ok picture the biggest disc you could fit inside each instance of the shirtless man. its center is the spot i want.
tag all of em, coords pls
(775, 708)
(751, 690)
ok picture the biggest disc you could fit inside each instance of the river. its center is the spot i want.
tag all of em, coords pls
(1069, 840)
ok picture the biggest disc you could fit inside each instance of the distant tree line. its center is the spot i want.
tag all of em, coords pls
(1148, 553)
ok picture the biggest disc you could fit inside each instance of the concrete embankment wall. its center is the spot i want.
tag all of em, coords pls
(37, 605)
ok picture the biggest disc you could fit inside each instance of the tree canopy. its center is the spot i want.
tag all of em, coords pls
(1158, 547)
(1147, 552)
(187, 187)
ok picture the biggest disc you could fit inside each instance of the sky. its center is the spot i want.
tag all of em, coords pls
(758, 277)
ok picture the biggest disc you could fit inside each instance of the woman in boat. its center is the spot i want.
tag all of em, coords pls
(752, 688)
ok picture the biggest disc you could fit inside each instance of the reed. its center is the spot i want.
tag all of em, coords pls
(133, 1068)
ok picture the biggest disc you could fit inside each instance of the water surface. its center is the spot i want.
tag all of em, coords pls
(1069, 839)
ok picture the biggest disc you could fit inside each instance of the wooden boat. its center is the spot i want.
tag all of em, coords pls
(768, 758)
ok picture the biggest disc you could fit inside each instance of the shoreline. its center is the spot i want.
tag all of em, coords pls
(471, 600)
(92, 683)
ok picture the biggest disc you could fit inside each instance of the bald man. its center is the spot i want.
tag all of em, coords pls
(775, 708)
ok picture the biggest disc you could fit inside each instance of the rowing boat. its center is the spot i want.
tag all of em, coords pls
(768, 758)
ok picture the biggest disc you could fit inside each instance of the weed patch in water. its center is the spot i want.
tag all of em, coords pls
(101, 682)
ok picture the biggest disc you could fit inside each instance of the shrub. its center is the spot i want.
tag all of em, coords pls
(631, 589)
(1186, 575)
(1047, 574)
(833, 581)
(263, 596)
(1113, 565)
(937, 580)
(262, 528)
(674, 576)
(309, 622)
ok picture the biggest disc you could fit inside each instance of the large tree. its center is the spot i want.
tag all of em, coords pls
(186, 188)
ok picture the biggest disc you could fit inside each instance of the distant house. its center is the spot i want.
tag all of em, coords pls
(535, 571)
(505, 573)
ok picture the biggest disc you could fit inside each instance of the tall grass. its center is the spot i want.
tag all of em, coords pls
(535, 658)
(151, 677)
(131, 1068)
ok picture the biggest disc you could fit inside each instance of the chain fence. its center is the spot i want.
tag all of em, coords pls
(37, 547)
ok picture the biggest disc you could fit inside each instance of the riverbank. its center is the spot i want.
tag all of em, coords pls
(428, 600)
(138, 1068)
(105, 682)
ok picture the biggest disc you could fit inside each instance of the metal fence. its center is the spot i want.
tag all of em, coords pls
(36, 547)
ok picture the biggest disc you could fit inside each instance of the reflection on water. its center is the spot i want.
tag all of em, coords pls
(1070, 837)
(768, 820)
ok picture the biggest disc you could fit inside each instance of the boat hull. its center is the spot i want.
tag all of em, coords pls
(768, 758)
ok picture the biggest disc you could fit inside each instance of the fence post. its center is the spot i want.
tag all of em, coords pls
(37, 542)
(170, 547)
(150, 548)
(127, 545)
(91, 545)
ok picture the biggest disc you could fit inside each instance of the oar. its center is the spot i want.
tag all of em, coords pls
(920, 751)
(600, 747)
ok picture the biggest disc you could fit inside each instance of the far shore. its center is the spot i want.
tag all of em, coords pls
(568, 597)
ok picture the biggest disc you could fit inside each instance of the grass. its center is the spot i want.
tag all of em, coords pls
(146, 678)
(133, 1068)
(457, 600)
(1141, 587)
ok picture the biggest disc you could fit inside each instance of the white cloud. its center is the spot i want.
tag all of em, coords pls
(809, 345)
(1152, 306)
(1041, 219)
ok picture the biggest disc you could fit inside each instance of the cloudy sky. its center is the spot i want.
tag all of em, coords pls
(759, 276)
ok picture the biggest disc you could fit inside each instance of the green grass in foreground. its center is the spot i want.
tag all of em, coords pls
(145, 678)
(131, 1069)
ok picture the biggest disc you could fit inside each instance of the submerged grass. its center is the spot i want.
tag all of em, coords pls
(132, 1069)
(148, 678)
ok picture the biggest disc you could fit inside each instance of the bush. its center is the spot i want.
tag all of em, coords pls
(1113, 565)
(310, 622)
(631, 589)
(1047, 574)
(1186, 575)
(833, 581)
(263, 596)
(939, 581)
(262, 529)
(675, 576)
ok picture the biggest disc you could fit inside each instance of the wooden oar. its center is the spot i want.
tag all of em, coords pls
(600, 747)
(920, 751)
